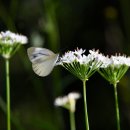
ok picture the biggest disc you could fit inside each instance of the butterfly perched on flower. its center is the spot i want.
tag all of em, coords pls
(43, 60)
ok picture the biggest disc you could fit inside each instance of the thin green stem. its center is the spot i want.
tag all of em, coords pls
(8, 94)
(117, 107)
(85, 105)
(72, 120)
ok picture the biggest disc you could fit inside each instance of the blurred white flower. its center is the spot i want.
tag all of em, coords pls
(68, 101)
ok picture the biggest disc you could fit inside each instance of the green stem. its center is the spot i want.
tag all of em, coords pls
(8, 94)
(117, 107)
(85, 105)
(72, 120)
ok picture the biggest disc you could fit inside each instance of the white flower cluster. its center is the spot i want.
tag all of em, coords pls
(96, 55)
(115, 61)
(79, 56)
(67, 101)
(72, 56)
(9, 37)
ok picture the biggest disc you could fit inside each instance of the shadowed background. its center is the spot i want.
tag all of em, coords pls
(62, 25)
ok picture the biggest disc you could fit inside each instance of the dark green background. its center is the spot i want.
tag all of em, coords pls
(62, 25)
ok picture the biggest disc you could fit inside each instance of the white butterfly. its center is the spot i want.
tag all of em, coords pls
(43, 60)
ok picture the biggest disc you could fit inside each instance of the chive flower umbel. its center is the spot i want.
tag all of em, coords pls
(69, 102)
(10, 42)
(79, 64)
(113, 69)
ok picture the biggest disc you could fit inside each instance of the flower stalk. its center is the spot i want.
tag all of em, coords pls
(85, 105)
(117, 107)
(8, 94)
(72, 120)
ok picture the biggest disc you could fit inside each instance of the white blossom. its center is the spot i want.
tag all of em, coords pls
(95, 55)
(67, 101)
(9, 37)
(79, 51)
(10, 43)
(114, 68)
(69, 57)
(116, 61)
(74, 96)
(79, 56)
(105, 62)
(81, 65)
(61, 101)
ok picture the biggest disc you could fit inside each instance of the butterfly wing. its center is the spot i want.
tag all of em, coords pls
(43, 60)
(45, 67)
(35, 54)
